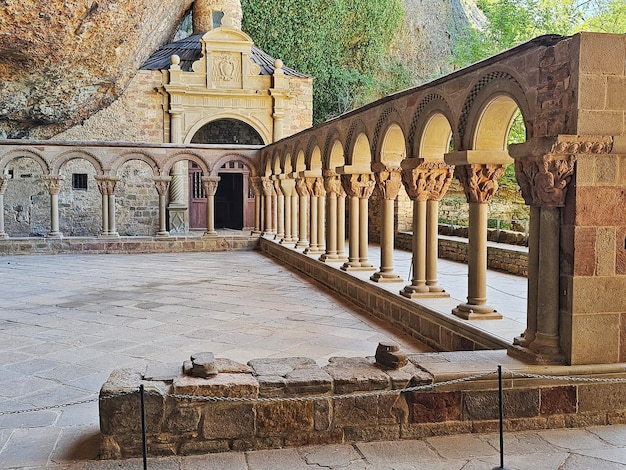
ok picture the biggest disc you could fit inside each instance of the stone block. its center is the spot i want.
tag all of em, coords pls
(605, 251)
(598, 295)
(284, 418)
(558, 400)
(421, 430)
(203, 365)
(593, 56)
(356, 374)
(595, 339)
(196, 446)
(280, 366)
(484, 405)
(356, 411)
(593, 91)
(333, 436)
(271, 386)
(308, 381)
(620, 251)
(388, 355)
(321, 415)
(228, 420)
(222, 385)
(622, 338)
(369, 434)
(429, 407)
(585, 251)
(596, 397)
(180, 419)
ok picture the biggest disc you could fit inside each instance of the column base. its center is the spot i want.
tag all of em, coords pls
(357, 267)
(163, 234)
(4, 236)
(211, 234)
(476, 312)
(529, 356)
(288, 241)
(385, 277)
(313, 251)
(524, 339)
(54, 235)
(302, 244)
(422, 292)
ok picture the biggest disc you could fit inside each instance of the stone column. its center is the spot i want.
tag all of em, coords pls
(53, 184)
(257, 188)
(388, 182)
(320, 190)
(543, 180)
(315, 186)
(425, 183)
(480, 183)
(268, 190)
(295, 200)
(359, 188)
(177, 208)
(332, 184)
(288, 186)
(341, 226)
(112, 232)
(162, 185)
(209, 184)
(303, 193)
(280, 210)
(3, 186)
(102, 182)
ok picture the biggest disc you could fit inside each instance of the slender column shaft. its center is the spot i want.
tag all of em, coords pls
(162, 213)
(105, 214)
(533, 278)
(341, 227)
(274, 200)
(54, 214)
(321, 224)
(353, 233)
(112, 223)
(418, 283)
(432, 245)
(294, 217)
(2, 232)
(280, 212)
(268, 213)
(477, 254)
(210, 214)
(363, 237)
(257, 212)
(385, 272)
(313, 244)
(303, 241)
(331, 227)
(288, 237)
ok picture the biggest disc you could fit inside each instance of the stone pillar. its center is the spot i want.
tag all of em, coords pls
(257, 188)
(3, 186)
(162, 185)
(112, 232)
(295, 200)
(480, 183)
(287, 187)
(280, 210)
(278, 125)
(388, 182)
(209, 184)
(359, 188)
(315, 186)
(53, 184)
(341, 226)
(543, 180)
(177, 208)
(268, 190)
(332, 184)
(425, 183)
(303, 193)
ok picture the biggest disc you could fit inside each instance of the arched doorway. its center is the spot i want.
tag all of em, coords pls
(234, 202)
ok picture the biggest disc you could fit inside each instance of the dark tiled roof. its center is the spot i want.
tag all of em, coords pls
(189, 50)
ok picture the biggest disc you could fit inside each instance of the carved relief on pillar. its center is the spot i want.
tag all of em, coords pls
(3, 184)
(332, 183)
(315, 186)
(301, 187)
(53, 183)
(426, 181)
(358, 185)
(162, 184)
(209, 184)
(106, 185)
(267, 185)
(388, 179)
(480, 181)
(277, 188)
(256, 185)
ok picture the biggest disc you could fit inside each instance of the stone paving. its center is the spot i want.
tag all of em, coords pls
(66, 321)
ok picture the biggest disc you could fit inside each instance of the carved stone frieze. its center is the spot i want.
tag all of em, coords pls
(332, 183)
(162, 185)
(301, 187)
(427, 180)
(543, 180)
(267, 185)
(480, 181)
(53, 183)
(315, 186)
(106, 185)
(358, 185)
(388, 180)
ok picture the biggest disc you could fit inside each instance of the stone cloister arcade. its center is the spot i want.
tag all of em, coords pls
(314, 188)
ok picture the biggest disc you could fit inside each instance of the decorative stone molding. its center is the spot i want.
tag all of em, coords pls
(332, 183)
(162, 184)
(426, 181)
(209, 183)
(277, 188)
(256, 185)
(388, 179)
(480, 181)
(53, 183)
(301, 187)
(544, 179)
(315, 186)
(358, 185)
(106, 185)
(267, 185)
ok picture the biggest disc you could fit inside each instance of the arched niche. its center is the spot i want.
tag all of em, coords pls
(227, 131)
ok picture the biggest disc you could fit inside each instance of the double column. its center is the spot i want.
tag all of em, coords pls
(303, 198)
(335, 218)
(209, 184)
(480, 183)
(3, 186)
(358, 187)
(268, 191)
(288, 189)
(106, 185)
(388, 182)
(317, 194)
(257, 189)
(425, 183)
(53, 184)
(162, 184)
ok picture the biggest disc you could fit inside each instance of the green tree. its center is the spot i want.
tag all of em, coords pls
(342, 44)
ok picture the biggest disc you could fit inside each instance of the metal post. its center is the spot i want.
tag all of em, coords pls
(501, 407)
(144, 443)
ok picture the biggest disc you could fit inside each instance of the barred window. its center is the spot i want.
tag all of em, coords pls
(79, 181)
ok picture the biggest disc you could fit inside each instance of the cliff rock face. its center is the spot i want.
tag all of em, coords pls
(62, 60)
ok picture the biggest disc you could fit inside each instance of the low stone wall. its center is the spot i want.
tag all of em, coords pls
(505, 258)
(27, 246)
(326, 404)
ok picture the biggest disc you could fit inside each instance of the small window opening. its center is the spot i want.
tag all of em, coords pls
(11, 174)
(26, 175)
(79, 181)
(217, 19)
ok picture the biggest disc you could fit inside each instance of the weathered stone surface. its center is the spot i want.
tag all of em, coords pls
(356, 411)
(435, 407)
(228, 420)
(558, 400)
(64, 60)
(281, 418)
(308, 381)
(281, 366)
(356, 374)
(182, 420)
(609, 396)
(228, 366)
(222, 385)
(389, 355)
(203, 365)
(483, 405)
(271, 386)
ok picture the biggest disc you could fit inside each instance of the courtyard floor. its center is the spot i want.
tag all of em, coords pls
(67, 321)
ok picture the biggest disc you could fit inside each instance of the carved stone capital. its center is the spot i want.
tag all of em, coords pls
(315, 186)
(301, 187)
(53, 183)
(388, 180)
(480, 181)
(277, 188)
(268, 186)
(106, 185)
(287, 186)
(257, 185)
(332, 183)
(162, 184)
(426, 180)
(358, 185)
(544, 179)
(209, 184)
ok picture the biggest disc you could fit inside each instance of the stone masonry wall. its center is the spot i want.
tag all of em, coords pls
(181, 419)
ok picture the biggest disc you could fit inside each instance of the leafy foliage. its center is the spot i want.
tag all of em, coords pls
(342, 44)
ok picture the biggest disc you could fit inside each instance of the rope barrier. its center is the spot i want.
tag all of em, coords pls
(376, 393)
